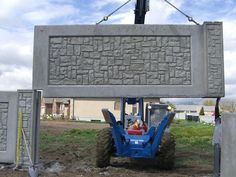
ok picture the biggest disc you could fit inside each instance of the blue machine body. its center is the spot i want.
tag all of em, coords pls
(137, 146)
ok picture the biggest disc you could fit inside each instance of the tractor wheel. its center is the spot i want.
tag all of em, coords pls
(104, 147)
(166, 155)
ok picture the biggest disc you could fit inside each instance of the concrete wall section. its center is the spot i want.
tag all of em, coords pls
(11, 104)
(129, 60)
(228, 151)
(8, 126)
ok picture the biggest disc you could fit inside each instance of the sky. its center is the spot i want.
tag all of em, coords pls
(18, 18)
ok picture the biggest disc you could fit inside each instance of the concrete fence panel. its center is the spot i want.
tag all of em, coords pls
(11, 104)
(8, 126)
(129, 60)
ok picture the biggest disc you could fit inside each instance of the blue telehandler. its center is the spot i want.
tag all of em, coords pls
(155, 142)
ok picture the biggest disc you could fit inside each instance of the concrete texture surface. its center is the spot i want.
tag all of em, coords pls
(129, 60)
(119, 61)
(11, 104)
(228, 150)
(27, 105)
(3, 126)
(8, 126)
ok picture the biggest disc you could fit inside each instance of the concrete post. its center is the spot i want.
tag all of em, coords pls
(217, 159)
(228, 150)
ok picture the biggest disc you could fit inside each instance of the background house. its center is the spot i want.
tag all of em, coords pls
(56, 108)
(205, 113)
(84, 109)
(89, 109)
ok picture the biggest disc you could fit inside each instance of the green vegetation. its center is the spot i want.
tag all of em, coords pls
(70, 136)
(73, 143)
(208, 102)
(172, 105)
(193, 144)
(202, 113)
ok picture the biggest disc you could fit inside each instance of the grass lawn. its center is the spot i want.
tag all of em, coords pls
(193, 144)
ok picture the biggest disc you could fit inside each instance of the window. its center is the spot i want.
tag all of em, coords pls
(48, 108)
(193, 111)
(134, 109)
(58, 108)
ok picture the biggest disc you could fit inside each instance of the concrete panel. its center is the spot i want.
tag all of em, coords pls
(11, 104)
(8, 126)
(129, 60)
(228, 150)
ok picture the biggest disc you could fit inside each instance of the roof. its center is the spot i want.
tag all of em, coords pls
(194, 108)
(188, 107)
(48, 100)
(209, 108)
(57, 100)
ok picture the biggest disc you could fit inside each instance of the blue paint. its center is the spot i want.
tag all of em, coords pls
(137, 146)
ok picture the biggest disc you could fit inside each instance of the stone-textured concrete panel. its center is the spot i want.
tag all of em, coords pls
(214, 46)
(129, 60)
(228, 151)
(3, 125)
(119, 60)
(8, 126)
(11, 104)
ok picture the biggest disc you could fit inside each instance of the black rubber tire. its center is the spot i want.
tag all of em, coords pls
(166, 155)
(104, 147)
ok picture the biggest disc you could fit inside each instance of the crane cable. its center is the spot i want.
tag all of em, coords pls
(105, 18)
(190, 19)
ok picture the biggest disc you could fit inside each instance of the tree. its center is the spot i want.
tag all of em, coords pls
(208, 102)
(228, 106)
(172, 105)
(201, 113)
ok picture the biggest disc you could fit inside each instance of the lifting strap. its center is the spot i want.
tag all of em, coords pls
(217, 110)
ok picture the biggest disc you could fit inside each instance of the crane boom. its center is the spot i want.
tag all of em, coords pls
(141, 7)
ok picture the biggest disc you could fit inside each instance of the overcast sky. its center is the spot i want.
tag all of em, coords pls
(18, 17)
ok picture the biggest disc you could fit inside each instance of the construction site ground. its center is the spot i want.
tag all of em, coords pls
(67, 149)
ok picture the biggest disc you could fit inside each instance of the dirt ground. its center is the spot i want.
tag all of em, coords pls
(58, 162)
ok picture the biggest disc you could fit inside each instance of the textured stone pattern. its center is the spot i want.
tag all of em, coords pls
(25, 105)
(115, 60)
(215, 59)
(3, 126)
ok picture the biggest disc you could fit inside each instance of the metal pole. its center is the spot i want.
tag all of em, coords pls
(122, 110)
(141, 108)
